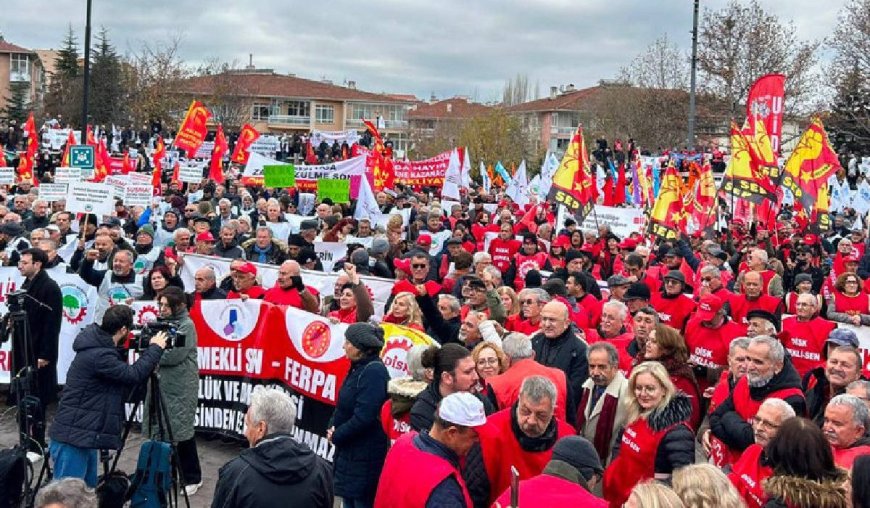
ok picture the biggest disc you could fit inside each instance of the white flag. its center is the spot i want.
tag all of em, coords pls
(465, 173)
(484, 178)
(366, 205)
(551, 164)
(518, 188)
(452, 178)
(861, 198)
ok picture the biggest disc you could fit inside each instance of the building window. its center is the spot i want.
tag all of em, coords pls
(324, 113)
(261, 112)
(298, 108)
(19, 67)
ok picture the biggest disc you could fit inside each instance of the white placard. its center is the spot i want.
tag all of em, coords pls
(7, 175)
(622, 221)
(139, 178)
(329, 253)
(190, 174)
(52, 191)
(67, 175)
(118, 184)
(138, 195)
(96, 198)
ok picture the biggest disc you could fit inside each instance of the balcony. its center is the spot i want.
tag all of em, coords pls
(562, 131)
(303, 121)
(356, 123)
(19, 77)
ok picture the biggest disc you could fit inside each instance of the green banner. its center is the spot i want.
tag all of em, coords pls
(337, 190)
(279, 175)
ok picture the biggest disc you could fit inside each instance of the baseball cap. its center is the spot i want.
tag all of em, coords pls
(248, 268)
(205, 236)
(709, 305)
(424, 240)
(463, 409)
(843, 337)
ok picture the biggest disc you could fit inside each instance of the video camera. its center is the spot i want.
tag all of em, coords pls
(142, 335)
(15, 300)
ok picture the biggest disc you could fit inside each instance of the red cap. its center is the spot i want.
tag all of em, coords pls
(561, 241)
(424, 240)
(402, 264)
(628, 244)
(205, 236)
(851, 258)
(811, 239)
(248, 267)
(709, 305)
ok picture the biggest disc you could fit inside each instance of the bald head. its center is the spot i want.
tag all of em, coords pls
(554, 319)
(286, 273)
(752, 284)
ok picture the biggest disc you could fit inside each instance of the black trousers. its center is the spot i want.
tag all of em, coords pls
(189, 461)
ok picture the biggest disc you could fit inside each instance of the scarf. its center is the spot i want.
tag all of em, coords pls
(534, 444)
(604, 427)
(261, 253)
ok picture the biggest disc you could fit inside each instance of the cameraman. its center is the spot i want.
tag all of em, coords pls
(90, 415)
(179, 382)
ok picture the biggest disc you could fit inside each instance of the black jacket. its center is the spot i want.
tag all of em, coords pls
(423, 410)
(442, 330)
(566, 352)
(91, 409)
(275, 473)
(734, 430)
(44, 322)
(816, 388)
(231, 252)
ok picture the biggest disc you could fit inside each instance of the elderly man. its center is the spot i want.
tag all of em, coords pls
(181, 238)
(531, 303)
(227, 246)
(601, 409)
(290, 290)
(636, 297)
(673, 306)
(770, 374)
(263, 249)
(708, 335)
(761, 322)
(275, 468)
(469, 329)
(613, 330)
(245, 284)
(521, 436)
(748, 473)
(503, 389)
(753, 298)
(860, 389)
(845, 427)
(120, 285)
(556, 345)
(39, 216)
(843, 366)
(737, 366)
(442, 319)
(478, 297)
(770, 283)
(205, 286)
(710, 282)
(804, 335)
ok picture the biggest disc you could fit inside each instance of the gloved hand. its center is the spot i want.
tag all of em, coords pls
(297, 282)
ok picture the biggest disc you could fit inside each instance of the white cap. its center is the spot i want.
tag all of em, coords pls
(463, 409)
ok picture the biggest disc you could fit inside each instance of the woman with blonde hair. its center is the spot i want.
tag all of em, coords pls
(652, 494)
(656, 439)
(489, 360)
(705, 486)
(666, 346)
(405, 311)
(510, 300)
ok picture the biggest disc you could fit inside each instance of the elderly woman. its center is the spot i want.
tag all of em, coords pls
(405, 311)
(489, 360)
(360, 442)
(656, 439)
(354, 303)
(179, 375)
(848, 303)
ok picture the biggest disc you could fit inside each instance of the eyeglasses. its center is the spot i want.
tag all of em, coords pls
(764, 423)
(423, 265)
(528, 302)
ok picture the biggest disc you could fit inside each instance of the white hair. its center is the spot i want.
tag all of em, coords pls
(273, 407)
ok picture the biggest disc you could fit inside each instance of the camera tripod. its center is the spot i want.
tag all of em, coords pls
(157, 412)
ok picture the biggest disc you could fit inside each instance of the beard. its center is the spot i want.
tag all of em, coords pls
(756, 381)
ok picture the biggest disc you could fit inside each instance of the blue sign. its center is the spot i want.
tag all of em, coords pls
(81, 156)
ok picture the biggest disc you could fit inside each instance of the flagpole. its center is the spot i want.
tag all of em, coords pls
(87, 73)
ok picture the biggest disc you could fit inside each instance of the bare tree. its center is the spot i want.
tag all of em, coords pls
(849, 120)
(741, 43)
(661, 66)
(516, 90)
(154, 75)
(230, 95)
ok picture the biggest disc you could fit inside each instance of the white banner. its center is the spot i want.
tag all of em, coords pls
(55, 138)
(52, 191)
(138, 195)
(7, 175)
(119, 184)
(190, 174)
(204, 150)
(67, 175)
(89, 197)
(341, 169)
(329, 253)
(266, 145)
(622, 221)
(139, 178)
(349, 136)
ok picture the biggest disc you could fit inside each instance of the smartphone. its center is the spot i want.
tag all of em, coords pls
(515, 487)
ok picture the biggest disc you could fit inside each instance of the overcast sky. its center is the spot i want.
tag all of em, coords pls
(446, 47)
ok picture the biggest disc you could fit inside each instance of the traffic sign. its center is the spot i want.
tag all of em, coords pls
(81, 156)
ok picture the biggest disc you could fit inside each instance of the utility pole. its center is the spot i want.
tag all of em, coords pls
(87, 76)
(690, 141)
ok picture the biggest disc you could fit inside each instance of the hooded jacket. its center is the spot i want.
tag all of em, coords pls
(273, 473)
(796, 492)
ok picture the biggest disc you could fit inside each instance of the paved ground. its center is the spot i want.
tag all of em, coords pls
(212, 454)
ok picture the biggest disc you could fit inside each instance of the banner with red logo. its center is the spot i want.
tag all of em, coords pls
(765, 103)
(425, 173)
(193, 129)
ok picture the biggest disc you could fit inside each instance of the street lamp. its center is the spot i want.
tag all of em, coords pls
(87, 74)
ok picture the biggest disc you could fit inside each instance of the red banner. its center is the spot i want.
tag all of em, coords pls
(216, 165)
(425, 173)
(247, 136)
(765, 103)
(194, 129)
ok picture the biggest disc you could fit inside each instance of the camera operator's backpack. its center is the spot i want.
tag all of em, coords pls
(13, 468)
(152, 481)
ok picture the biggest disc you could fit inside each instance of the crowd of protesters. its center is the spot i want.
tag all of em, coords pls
(718, 369)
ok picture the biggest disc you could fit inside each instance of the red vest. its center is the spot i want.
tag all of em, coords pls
(506, 386)
(740, 306)
(673, 312)
(844, 457)
(708, 347)
(748, 474)
(592, 306)
(766, 277)
(525, 264)
(553, 492)
(502, 252)
(852, 305)
(410, 487)
(721, 392)
(805, 341)
(252, 292)
(791, 302)
(501, 450)
(527, 327)
(394, 428)
(635, 463)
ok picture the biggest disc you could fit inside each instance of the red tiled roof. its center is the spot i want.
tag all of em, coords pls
(276, 85)
(404, 97)
(6, 47)
(457, 107)
(569, 101)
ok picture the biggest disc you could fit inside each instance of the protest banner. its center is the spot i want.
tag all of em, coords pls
(279, 175)
(7, 175)
(352, 169)
(139, 178)
(336, 190)
(204, 150)
(329, 253)
(119, 184)
(52, 191)
(95, 198)
(190, 174)
(67, 175)
(138, 195)
(425, 173)
(622, 221)
(265, 145)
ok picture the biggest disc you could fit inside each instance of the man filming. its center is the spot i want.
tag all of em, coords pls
(90, 415)
(43, 305)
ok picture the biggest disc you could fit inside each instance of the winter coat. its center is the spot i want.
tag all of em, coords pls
(566, 352)
(796, 492)
(276, 255)
(234, 251)
(44, 325)
(91, 409)
(179, 382)
(271, 474)
(360, 442)
(677, 448)
(423, 410)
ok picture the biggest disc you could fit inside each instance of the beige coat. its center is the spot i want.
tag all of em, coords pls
(617, 388)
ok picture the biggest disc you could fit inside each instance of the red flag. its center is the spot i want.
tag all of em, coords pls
(765, 103)
(157, 175)
(310, 158)
(176, 173)
(243, 145)
(193, 129)
(608, 190)
(383, 172)
(27, 161)
(126, 167)
(216, 167)
(70, 141)
(2, 158)
(619, 191)
(573, 183)
(102, 161)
